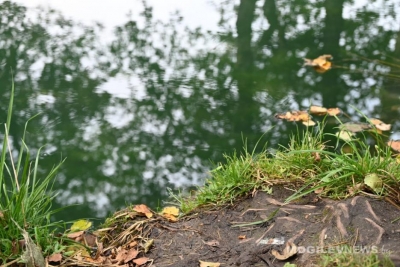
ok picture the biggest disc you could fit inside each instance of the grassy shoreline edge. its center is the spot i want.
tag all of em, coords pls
(306, 164)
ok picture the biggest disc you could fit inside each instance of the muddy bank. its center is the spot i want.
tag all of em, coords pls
(313, 224)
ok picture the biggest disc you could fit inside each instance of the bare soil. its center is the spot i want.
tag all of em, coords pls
(313, 224)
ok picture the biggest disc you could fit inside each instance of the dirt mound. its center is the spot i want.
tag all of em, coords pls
(315, 225)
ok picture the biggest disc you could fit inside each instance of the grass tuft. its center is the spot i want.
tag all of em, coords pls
(308, 164)
(25, 201)
(349, 258)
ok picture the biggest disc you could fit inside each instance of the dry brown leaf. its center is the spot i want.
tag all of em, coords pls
(380, 125)
(132, 244)
(75, 234)
(394, 144)
(317, 110)
(284, 116)
(130, 255)
(289, 250)
(301, 115)
(55, 258)
(144, 210)
(320, 111)
(294, 116)
(141, 261)
(84, 237)
(98, 261)
(121, 255)
(320, 64)
(242, 237)
(89, 239)
(333, 111)
(376, 121)
(209, 264)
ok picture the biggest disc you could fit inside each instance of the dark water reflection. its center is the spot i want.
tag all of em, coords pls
(192, 94)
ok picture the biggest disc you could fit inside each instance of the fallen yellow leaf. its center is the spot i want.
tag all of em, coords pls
(80, 225)
(171, 210)
(170, 217)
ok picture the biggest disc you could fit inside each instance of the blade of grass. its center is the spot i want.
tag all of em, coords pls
(5, 140)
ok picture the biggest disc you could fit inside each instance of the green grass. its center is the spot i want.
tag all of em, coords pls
(308, 164)
(348, 259)
(25, 200)
(247, 172)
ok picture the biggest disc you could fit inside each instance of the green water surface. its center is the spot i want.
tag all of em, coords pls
(154, 105)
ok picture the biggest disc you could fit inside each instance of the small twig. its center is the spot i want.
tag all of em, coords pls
(355, 240)
(269, 228)
(9, 263)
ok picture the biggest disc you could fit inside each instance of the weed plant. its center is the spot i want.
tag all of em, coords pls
(25, 201)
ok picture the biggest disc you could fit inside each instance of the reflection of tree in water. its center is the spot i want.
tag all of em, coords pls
(46, 53)
(212, 95)
(285, 31)
(193, 92)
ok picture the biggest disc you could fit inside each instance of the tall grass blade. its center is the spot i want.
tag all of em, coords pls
(5, 141)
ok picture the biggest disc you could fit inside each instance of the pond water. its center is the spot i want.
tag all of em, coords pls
(152, 100)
